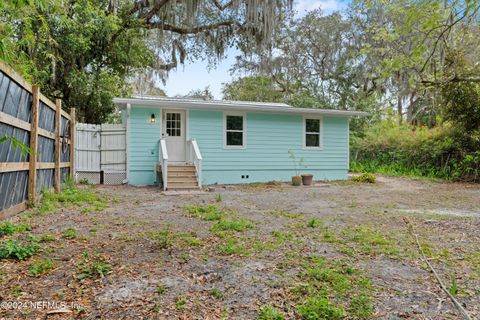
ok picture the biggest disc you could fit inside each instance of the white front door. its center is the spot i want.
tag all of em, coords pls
(174, 134)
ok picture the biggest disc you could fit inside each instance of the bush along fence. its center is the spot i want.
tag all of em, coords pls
(48, 131)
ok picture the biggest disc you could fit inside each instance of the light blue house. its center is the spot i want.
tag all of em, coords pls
(181, 143)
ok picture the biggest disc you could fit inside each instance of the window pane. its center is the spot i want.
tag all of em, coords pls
(234, 123)
(178, 133)
(234, 139)
(312, 125)
(169, 116)
(312, 140)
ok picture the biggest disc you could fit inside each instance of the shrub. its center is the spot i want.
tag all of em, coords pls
(442, 152)
(365, 178)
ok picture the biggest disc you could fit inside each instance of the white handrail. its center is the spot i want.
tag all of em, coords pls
(196, 157)
(163, 159)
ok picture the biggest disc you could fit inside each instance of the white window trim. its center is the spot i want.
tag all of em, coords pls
(244, 131)
(305, 147)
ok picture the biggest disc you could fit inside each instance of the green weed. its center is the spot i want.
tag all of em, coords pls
(180, 303)
(92, 267)
(70, 233)
(161, 289)
(319, 308)
(207, 213)
(70, 196)
(41, 267)
(47, 237)
(12, 249)
(268, 312)
(216, 293)
(9, 228)
(238, 225)
(218, 198)
(231, 247)
(313, 223)
(365, 178)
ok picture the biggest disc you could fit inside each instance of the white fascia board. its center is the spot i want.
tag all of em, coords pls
(238, 106)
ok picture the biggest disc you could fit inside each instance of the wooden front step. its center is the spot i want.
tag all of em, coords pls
(182, 177)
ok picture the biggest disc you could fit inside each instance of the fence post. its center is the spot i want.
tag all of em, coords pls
(72, 142)
(32, 172)
(58, 117)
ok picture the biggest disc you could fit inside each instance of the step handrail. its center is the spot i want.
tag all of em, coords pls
(196, 158)
(163, 159)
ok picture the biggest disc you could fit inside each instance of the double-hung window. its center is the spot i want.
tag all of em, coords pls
(234, 131)
(313, 133)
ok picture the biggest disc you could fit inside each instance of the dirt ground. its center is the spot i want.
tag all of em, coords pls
(239, 252)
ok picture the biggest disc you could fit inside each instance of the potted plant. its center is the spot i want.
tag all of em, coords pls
(307, 179)
(297, 163)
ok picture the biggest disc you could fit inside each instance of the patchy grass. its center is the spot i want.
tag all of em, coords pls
(216, 293)
(9, 228)
(180, 303)
(268, 312)
(70, 196)
(92, 267)
(279, 213)
(238, 225)
(41, 267)
(232, 246)
(70, 233)
(330, 289)
(207, 213)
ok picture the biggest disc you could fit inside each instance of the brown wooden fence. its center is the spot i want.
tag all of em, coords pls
(31, 118)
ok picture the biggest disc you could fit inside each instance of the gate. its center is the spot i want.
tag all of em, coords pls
(100, 156)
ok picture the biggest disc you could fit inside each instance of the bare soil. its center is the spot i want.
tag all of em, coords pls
(183, 273)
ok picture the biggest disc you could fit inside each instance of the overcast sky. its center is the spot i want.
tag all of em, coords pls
(197, 76)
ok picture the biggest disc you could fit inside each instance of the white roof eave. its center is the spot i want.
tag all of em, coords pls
(237, 105)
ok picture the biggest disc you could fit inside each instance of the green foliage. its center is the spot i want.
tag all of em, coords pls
(441, 152)
(318, 308)
(238, 225)
(216, 293)
(365, 178)
(453, 288)
(207, 213)
(70, 233)
(267, 312)
(313, 223)
(92, 267)
(16, 144)
(253, 88)
(231, 247)
(12, 249)
(9, 228)
(70, 195)
(218, 197)
(41, 267)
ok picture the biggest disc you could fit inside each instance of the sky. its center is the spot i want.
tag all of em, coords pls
(196, 75)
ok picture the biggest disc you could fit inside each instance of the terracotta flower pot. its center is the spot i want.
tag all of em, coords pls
(307, 179)
(296, 180)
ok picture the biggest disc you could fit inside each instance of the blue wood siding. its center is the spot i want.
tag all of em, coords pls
(143, 138)
(268, 139)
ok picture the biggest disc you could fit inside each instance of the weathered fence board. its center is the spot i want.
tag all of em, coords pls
(100, 153)
(29, 117)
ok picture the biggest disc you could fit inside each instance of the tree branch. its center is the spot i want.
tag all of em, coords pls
(189, 30)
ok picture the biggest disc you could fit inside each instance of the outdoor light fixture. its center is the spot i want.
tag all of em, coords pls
(152, 118)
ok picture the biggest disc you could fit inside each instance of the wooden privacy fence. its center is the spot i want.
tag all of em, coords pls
(40, 124)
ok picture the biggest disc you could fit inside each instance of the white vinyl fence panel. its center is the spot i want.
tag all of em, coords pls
(100, 153)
